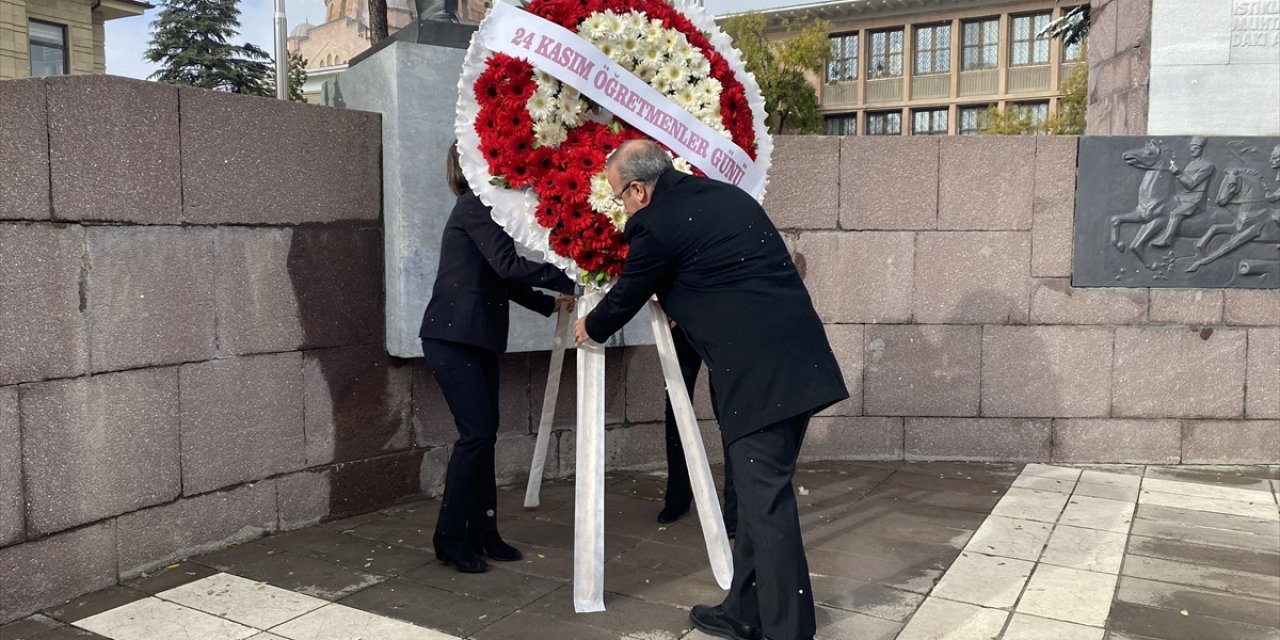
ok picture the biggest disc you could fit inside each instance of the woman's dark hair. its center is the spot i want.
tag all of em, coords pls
(453, 172)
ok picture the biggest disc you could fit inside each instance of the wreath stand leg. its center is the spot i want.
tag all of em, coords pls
(588, 532)
(549, 396)
(704, 488)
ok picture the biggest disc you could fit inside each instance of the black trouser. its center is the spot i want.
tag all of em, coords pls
(679, 491)
(468, 376)
(770, 588)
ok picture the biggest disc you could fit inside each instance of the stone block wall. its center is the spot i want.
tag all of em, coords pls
(1119, 67)
(941, 267)
(191, 329)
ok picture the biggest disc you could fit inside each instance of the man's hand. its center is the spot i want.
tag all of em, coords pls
(580, 331)
(565, 302)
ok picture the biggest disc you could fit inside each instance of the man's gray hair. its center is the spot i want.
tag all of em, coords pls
(641, 160)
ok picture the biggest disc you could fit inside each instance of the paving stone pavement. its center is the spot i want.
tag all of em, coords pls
(942, 551)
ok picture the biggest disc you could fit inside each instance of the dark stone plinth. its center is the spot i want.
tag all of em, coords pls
(154, 537)
(439, 33)
(336, 276)
(302, 163)
(24, 151)
(241, 420)
(357, 404)
(39, 574)
(150, 295)
(1210, 225)
(366, 485)
(42, 320)
(100, 446)
(11, 504)
(113, 150)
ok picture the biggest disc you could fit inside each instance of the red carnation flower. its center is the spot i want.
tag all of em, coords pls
(573, 187)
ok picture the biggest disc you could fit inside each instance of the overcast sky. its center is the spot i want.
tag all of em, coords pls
(127, 38)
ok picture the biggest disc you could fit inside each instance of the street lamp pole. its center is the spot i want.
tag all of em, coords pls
(282, 53)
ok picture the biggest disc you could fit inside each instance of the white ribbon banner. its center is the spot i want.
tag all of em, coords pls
(555, 50)
(533, 489)
(588, 490)
(695, 455)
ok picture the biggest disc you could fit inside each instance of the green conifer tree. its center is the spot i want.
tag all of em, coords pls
(189, 41)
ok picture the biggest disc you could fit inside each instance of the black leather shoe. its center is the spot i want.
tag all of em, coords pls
(459, 554)
(714, 621)
(489, 543)
(671, 513)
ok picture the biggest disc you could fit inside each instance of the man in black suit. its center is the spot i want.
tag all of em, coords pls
(722, 273)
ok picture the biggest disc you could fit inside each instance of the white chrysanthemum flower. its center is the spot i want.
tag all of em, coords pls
(541, 105)
(681, 165)
(669, 39)
(652, 56)
(549, 133)
(618, 216)
(593, 27)
(635, 21)
(631, 46)
(653, 30)
(601, 198)
(646, 73)
(544, 79)
(710, 88)
(687, 99)
(683, 50)
(613, 27)
(608, 48)
(661, 83)
(676, 75)
(700, 66)
(569, 107)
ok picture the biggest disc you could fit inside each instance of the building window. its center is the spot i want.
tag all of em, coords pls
(973, 120)
(1037, 111)
(885, 54)
(1072, 52)
(884, 123)
(843, 65)
(48, 48)
(980, 43)
(845, 124)
(1028, 46)
(929, 122)
(933, 49)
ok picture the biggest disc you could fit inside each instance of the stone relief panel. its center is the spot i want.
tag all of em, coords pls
(1184, 211)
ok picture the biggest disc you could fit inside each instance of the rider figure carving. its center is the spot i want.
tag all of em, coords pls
(1194, 180)
(1274, 196)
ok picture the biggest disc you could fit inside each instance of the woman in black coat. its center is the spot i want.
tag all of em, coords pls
(464, 331)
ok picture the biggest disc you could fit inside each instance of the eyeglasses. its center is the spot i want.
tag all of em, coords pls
(617, 197)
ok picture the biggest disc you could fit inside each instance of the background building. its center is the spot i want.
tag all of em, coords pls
(56, 37)
(329, 46)
(933, 67)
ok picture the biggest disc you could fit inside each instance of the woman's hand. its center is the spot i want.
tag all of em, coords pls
(565, 302)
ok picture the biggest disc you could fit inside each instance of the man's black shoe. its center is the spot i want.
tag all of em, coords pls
(714, 621)
(671, 513)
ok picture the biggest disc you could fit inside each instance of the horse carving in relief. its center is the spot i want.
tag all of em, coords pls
(1244, 192)
(1154, 197)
